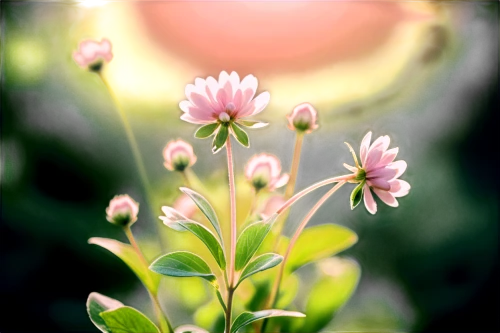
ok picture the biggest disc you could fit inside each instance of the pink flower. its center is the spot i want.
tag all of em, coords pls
(303, 118)
(223, 106)
(122, 210)
(92, 54)
(378, 172)
(186, 206)
(263, 171)
(178, 155)
(272, 205)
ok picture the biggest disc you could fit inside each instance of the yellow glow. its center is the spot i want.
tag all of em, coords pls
(91, 3)
(26, 59)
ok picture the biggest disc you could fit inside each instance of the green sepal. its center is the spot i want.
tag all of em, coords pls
(206, 130)
(357, 195)
(240, 135)
(252, 123)
(220, 138)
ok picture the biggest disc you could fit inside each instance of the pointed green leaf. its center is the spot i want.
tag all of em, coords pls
(183, 264)
(208, 238)
(240, 135)
(128, 320)
(206, 130)
(220, 138)
(318, 242)
(127, 253)
(249, 317)
(250, 239)
(261, 263)
(205, 208)
(97, 303)
(357, 195)
(189, 329)
(252, 123)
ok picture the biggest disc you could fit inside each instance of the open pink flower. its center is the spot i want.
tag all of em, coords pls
(122, 210)
(378, 172)
(92, 54)
(303, 118)
(263, 171)
(178, 155)
(221, 106)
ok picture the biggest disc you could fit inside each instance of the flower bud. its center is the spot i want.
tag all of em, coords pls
(178, 155)
(122, 210)
(263, 171)
(303, 118)
(92, 54)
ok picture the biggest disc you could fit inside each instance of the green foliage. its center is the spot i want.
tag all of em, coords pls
(206, 130)
(318, 242)
(205, 208)
(261, 263)
(249, 317)
(183, 264)
(97, 303)
(250, 240)
(126, 253)
(220, 138)
(357, 195)
(210, 316)
(128, 320)
(189, 329)
(240, 135)
(252, 123)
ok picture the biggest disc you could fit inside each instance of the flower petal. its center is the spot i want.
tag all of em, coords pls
(190, 119)
(282, 181)
(379, 183)
(385, 173)
(386, 197)
(388, 157)
(372, 159)
(400, 167)
(256, 106)
(370, 203)
(399, 188)
(185, 105)
(365, 144)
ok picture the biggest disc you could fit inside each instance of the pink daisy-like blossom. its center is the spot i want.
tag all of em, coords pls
(303, 118)
(178, 155)
(92, 54)
(223, 106)
(263, 171)
(379, 173)
(122, 210)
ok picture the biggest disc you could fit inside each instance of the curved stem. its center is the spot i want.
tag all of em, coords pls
(295, 165)
(277, 282)
(135, 150)
(165, 325)
(232, 195)
(185, 178)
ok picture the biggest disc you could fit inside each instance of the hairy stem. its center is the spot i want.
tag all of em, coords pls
(165, 325)
(232, 195)
(135, 151)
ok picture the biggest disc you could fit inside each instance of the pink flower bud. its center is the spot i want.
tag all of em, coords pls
(92, 54)
(263, 171)
(122, 210)
(303, 118)
(186, 206)
(178, 155)
(272, 205)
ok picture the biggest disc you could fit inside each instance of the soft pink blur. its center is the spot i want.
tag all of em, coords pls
(122, 205)
(90, 52)
(265, 169)
(178, 152)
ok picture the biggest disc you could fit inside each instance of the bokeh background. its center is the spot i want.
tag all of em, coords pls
(426, 73)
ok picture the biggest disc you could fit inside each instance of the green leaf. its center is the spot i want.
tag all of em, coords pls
(338, 280)
(240, 135)
(252, 123)
(183, 264)
(321, 241)
(127, 253)
(97, 303)
(128, 320)
(189, 329)
(357, 195)
(249, 317)
(220, 138)
(250, 239)
(206, 130)
(205, 208)
(261, 263)
(208, 238)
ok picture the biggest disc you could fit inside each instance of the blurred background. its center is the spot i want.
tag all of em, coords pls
(426, 73)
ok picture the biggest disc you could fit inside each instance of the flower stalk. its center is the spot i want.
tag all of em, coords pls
(233, 228)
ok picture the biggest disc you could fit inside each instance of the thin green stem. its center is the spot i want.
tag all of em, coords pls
(165, 325)
(232, 252)
(277, 282)
(135, 150)
(185, 178)
(290, 187)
